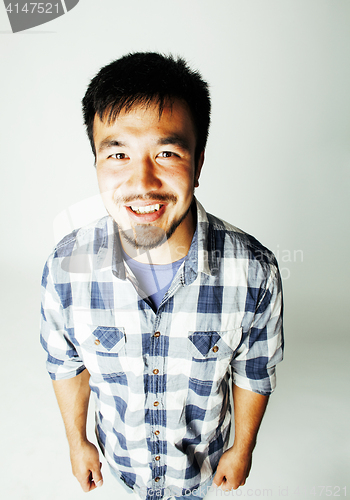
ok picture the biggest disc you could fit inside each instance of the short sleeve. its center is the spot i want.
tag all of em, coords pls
(63, 360)
(254, 364)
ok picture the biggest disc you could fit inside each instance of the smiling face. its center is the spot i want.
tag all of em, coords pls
(146, 172)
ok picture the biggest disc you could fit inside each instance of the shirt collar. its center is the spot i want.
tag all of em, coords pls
(201, 255)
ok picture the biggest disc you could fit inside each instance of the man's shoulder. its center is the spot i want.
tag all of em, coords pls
(235, 242)
(85, 239)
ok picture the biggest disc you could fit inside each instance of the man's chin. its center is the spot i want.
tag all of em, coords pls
(144, 237)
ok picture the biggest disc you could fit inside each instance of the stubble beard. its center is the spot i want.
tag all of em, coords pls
(145, 236)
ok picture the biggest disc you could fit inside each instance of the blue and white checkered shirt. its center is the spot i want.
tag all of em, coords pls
(161, 380)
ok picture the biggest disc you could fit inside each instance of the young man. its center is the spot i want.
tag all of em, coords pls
(155, 306)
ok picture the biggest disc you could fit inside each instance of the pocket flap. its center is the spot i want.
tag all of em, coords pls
(100, 338)
(108, 336)
(214, 344)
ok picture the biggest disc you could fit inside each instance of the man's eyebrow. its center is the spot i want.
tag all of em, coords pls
(175, 140)
(110, 143)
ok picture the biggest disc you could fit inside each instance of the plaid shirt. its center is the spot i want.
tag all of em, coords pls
(161, 380)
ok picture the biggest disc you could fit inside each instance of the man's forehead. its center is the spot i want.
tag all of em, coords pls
(142, 106)
(141, 114)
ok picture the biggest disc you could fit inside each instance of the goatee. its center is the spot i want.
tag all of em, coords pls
(145, 236)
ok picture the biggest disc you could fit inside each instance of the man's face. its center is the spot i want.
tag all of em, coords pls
(146, 173)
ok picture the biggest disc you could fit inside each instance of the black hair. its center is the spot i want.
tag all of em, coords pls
(143, 78)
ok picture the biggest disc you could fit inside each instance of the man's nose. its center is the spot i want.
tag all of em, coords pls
(145, 176)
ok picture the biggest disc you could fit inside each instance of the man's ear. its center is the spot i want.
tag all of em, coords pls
(199, 169)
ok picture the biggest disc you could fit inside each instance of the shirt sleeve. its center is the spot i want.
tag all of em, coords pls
(63, 360)
(254, 365)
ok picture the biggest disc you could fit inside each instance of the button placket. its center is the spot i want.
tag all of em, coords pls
(156, 369)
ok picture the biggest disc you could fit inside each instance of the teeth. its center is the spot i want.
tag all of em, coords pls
(145, 210)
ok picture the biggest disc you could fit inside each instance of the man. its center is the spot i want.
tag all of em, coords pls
(155, 306)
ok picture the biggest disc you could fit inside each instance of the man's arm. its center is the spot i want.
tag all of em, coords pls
(235, 463)
(73, 398)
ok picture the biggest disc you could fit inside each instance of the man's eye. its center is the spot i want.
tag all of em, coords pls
(166, 154)
(118, 156)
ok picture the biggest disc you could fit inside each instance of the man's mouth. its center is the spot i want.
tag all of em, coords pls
(149, 209)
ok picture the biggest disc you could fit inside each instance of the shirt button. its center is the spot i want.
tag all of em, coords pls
(157, 433)
(156, 403)
(157, 458)
(157, 479)
(97, 342)
(156, 371)
(215, 348)
(157, 334)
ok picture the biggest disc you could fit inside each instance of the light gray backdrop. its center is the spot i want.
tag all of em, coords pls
(277, 165)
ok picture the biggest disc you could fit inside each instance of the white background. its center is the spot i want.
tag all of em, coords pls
(277, 165)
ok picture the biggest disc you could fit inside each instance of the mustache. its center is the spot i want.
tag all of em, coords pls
(161, 197)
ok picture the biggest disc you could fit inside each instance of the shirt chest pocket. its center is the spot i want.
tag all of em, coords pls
(211, 353)
(102, 347)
